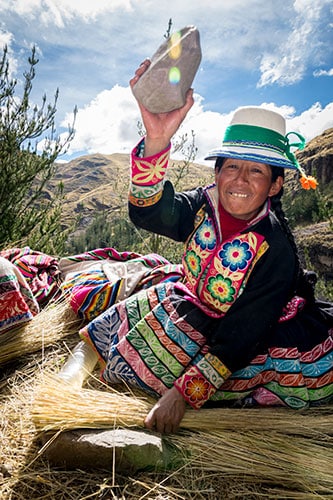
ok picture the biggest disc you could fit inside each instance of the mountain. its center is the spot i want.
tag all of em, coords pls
(316, 240)
(95, 183)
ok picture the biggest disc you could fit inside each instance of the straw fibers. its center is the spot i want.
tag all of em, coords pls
(226, 453)
(59, 405)
(54, 322)
(276, 447)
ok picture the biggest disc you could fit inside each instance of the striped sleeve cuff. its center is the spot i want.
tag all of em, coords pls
(201, 381)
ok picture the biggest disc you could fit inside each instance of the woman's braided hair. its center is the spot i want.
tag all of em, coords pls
(276, 207)
(304, 282)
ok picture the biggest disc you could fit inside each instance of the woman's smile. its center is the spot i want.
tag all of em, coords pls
(239, 195)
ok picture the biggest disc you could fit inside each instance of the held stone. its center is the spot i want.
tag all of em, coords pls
(162, 88)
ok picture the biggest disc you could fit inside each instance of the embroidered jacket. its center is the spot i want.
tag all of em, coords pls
(243, 283)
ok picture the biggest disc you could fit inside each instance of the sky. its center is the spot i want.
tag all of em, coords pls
(278, 55)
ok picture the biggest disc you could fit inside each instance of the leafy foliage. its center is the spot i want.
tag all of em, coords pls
(307, 207)
(117, 231)
(28, 216)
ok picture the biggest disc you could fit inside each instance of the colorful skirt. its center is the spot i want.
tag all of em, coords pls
(145, 342)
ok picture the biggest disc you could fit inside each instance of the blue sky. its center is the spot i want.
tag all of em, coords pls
(260, 52)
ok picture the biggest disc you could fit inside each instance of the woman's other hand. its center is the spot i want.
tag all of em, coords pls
(167, 413)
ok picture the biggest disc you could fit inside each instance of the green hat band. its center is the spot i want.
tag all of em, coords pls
(251, 136)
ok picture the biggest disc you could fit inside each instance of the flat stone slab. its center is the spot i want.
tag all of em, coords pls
(162, 88)
(123, 450)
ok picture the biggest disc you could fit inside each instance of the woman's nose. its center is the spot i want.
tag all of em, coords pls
(242, 175)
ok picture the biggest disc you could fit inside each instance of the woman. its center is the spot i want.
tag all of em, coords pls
(237, 323)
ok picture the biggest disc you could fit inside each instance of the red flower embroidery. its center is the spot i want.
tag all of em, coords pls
(196, 389)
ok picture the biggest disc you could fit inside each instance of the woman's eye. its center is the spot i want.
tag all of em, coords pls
(257, 171)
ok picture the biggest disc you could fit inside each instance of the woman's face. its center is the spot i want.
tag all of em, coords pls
(244, 186)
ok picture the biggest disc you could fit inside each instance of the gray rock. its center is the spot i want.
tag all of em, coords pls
(124, 450)
(163, 86)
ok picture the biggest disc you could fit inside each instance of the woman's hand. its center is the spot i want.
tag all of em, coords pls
(160, 127)
(167, 413)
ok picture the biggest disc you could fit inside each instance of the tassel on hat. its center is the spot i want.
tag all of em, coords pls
(307, 181)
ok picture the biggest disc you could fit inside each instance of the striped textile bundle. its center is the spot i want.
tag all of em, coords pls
(97, 279)
(40, 271)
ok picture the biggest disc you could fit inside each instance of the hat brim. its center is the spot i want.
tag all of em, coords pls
(251, 154)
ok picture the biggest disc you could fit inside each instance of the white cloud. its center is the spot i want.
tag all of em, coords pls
(57, 12)
(323, 72)
(287, 64)
(109, 124)
(5, 41)
(5, 38)
(313, 121)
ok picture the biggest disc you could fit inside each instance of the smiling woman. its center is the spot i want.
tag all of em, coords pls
(240, 324)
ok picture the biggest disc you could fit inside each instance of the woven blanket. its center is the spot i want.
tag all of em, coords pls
(97, 279)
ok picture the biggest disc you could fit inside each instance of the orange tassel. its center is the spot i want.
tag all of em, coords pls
(308, 182)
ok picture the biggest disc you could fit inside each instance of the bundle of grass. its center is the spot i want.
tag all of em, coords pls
(58, 405)
(270, 458)
(53, 323)
(278, 449)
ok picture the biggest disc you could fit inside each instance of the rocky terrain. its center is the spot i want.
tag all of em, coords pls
(316, 241)
(317, 157)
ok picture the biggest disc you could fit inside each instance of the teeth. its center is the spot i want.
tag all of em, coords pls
(239, 195)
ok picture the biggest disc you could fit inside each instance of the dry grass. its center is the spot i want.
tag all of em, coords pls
(228, 453)
(58, 405)
(271, 446)
(61, 406)
(50, 325)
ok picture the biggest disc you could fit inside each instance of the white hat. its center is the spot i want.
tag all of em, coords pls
(259, 135)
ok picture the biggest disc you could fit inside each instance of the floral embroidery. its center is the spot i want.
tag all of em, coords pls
(221, 288)
(149, 172)
(193, 262)
(196, 389)
(217, 273)
(205, 236)
(235, 254)
(145, 191)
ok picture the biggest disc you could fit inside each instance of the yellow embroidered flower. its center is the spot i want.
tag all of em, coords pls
(145, 172)
(221, 288)
(193, 262)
